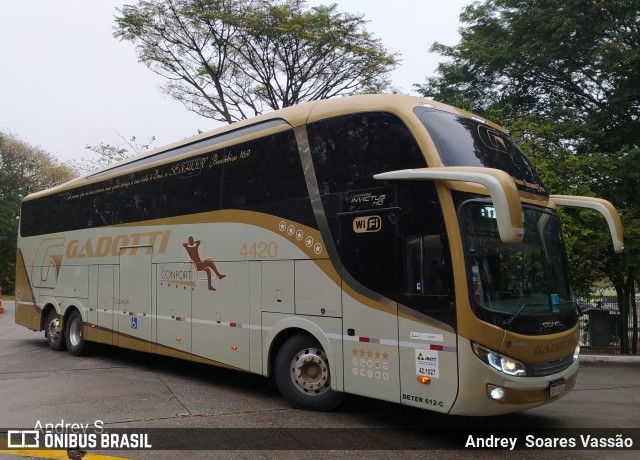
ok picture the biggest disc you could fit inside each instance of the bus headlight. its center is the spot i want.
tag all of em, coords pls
(576, 353)
(499, 362)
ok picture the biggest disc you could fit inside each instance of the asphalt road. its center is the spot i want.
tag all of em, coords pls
(124, 389)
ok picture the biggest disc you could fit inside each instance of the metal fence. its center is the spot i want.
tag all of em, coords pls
(600, 326)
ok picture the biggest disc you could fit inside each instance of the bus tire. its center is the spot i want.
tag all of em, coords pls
(302, 375)
(74, 334)
(53, 331)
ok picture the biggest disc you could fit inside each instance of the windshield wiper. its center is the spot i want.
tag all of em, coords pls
(507, 322)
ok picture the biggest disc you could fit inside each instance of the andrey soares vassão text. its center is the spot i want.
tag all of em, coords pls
(530, 441)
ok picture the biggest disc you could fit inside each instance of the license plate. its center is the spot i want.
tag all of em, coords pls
(556, 388)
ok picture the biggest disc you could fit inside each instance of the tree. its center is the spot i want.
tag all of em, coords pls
(106, 154)
(570, 70)
(24, 169)
(232, 59)
(572, 62)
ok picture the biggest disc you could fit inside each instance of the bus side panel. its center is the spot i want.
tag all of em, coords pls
(278, 286)
(316, 293)
(73, 282)
(90, 331)
(255, 316)
(27, 314)
(428, 352)
(371, 365)
(173, 305)
(106, 298)
(221, 327)
(134, 311)
(46, 263)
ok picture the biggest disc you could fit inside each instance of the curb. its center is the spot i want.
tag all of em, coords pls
(627, 359)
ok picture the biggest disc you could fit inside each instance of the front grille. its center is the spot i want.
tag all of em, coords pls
(552, 367)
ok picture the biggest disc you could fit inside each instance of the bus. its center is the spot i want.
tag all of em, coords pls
(386, 246)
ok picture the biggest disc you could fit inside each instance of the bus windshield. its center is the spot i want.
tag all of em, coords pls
(524, 286)
(462, 141)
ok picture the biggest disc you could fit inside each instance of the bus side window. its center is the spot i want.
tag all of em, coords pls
(425, 269)
(426, 265)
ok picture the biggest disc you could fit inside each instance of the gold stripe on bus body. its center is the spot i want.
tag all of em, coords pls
(27, 313)
(315, 250)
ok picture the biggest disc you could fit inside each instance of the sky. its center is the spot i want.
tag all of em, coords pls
(66, 83)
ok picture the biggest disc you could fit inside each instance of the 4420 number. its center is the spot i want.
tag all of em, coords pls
(259, 250)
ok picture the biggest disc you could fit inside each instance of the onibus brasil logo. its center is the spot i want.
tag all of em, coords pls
(76, 436)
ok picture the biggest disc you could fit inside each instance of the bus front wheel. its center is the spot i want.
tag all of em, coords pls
(53, 331)
(302, 375)
(74, 334)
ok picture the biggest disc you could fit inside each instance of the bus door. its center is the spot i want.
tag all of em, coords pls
(133, 306)
(426, 308)
(367, 247)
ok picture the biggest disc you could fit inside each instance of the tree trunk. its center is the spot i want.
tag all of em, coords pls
(623, 324)
(634, 316)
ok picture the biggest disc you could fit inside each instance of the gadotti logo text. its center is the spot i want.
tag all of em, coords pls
(110, 245)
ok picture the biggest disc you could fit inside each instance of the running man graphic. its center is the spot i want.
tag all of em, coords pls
(207, 265)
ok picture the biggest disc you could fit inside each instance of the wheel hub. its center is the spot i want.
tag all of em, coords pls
(310, 371)
(54, 329)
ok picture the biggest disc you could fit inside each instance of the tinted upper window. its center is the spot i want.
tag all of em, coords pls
(464, 141)
(348, 150)
(263, 175)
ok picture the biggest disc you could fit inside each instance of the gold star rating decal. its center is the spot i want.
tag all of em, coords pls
(370, 364)
(292, 232)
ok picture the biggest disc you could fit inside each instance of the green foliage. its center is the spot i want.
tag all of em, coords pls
(563, 78)
(573, 62)
(231, 59)
(24, 169)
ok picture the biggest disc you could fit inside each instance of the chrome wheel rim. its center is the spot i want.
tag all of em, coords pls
(310, 371)
(54, 330)
(75, 332)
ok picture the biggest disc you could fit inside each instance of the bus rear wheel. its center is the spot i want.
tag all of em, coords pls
(53, 331)
(74, 334)
(302, 375)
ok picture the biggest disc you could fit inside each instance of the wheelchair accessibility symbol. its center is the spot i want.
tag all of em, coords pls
(134, 323)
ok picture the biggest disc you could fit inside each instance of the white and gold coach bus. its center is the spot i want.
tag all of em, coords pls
(385, 246)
